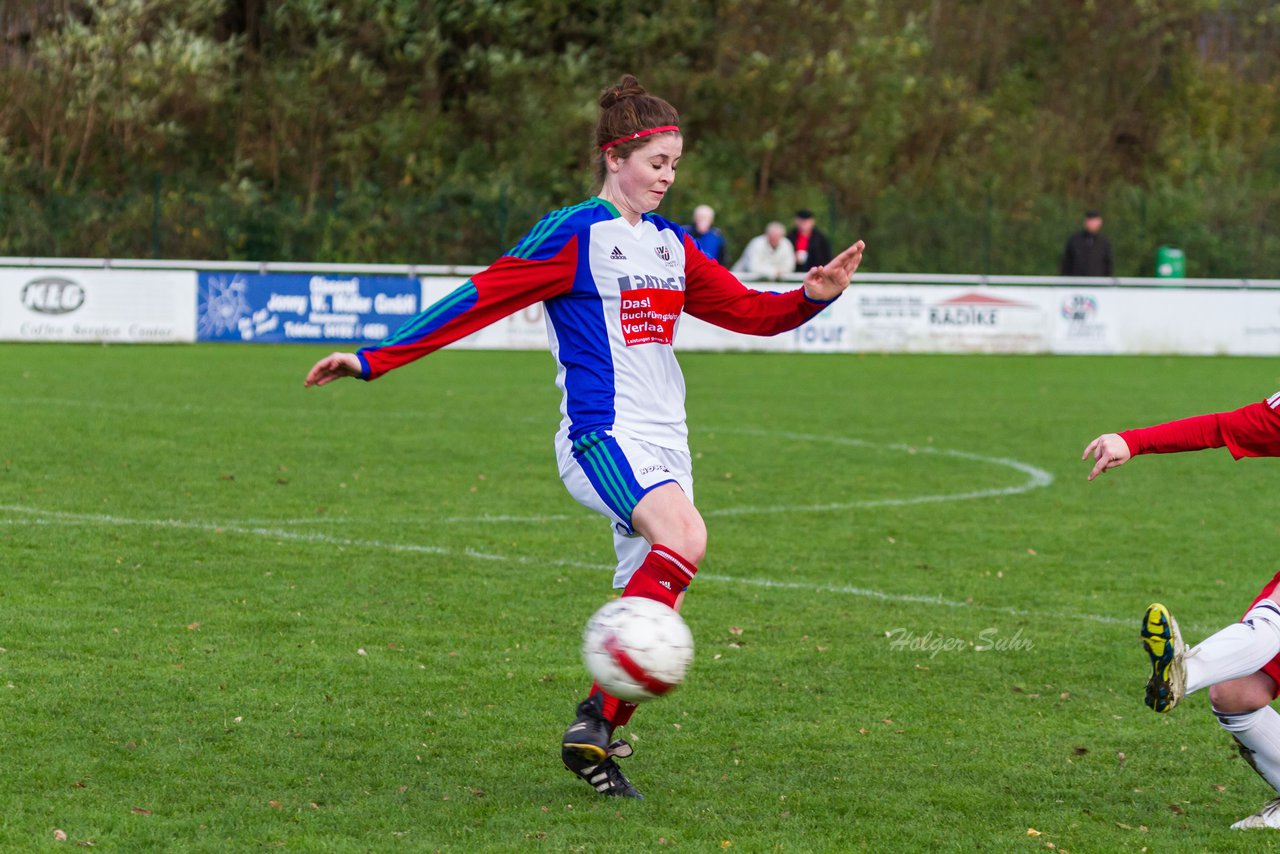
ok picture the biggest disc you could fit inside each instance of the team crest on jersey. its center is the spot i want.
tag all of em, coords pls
(664, 253)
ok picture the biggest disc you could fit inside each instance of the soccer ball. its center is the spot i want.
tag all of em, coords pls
(637, 649)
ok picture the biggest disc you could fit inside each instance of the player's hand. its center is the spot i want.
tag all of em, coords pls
(827, 282)
(1109, 451)
(335, 366)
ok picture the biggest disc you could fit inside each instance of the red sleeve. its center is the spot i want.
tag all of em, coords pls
(506, 287)
(1252, 431)
(715, 295)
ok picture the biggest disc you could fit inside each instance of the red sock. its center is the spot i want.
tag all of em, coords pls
(616, 712)
(662, 577)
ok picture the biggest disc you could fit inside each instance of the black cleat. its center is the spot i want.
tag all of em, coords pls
(586, 741)
(587, 752)
(607, 779)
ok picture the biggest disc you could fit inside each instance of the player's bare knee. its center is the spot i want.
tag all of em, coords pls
(1222, 697)
(688, 539)
(695, 538)
(1238, 696)
(690, 542)
(680, 529)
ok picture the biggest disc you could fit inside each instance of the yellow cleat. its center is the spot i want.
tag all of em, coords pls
(1163, 643)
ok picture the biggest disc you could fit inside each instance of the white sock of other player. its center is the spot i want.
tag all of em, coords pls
(1258, 735)
(1237, 651)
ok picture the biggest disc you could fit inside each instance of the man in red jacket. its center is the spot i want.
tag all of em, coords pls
(1240, 665)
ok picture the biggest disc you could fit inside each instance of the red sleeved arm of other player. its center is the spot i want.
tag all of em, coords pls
(1251, 431)
(715, 295)
(506, 287)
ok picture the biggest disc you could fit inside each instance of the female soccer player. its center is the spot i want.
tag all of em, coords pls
(614, 279)
(1240, 665)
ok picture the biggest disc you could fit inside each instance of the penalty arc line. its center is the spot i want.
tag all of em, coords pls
(57, 517)
(1037, 478)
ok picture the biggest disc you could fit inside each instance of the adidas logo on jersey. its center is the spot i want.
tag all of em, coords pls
(616, 255)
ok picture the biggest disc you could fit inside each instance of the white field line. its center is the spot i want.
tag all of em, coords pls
(1037, 478)
(34, 516)
(197, 409)
(419, 520)
(921, 599)
(47, 517)
(89, 403)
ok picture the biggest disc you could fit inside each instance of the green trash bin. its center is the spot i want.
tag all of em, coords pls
(1171, 263)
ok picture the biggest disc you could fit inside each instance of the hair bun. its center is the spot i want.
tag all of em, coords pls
(627, 87)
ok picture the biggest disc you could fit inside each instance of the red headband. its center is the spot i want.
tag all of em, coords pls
(638, 134)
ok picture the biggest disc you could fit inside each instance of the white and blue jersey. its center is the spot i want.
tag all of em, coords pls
(613, 294)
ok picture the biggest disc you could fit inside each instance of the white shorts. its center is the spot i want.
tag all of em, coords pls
(610, 474)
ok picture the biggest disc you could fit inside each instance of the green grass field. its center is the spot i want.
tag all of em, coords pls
(238, 616)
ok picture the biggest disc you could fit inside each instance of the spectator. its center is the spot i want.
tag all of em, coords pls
(812, 247)
(1088, 253)
(709, 238)
(769, 254)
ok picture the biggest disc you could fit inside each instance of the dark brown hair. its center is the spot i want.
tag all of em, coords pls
(625, 108)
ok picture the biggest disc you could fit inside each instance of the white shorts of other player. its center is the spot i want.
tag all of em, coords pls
(643, 466)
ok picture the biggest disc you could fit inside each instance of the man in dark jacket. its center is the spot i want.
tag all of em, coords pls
(1088, 253)
(812, 247)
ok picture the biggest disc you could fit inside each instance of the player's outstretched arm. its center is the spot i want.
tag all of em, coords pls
(335, 366)
(1109, 450)
(1251, 431)
(828, 281)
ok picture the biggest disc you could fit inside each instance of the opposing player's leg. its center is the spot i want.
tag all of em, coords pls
(1243, 708)
(1240, 665)
(1237, 651)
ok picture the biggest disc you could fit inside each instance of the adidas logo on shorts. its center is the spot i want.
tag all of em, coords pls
(665, 583)
(616, 255)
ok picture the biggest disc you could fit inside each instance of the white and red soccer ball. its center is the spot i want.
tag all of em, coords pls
(637, 648)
